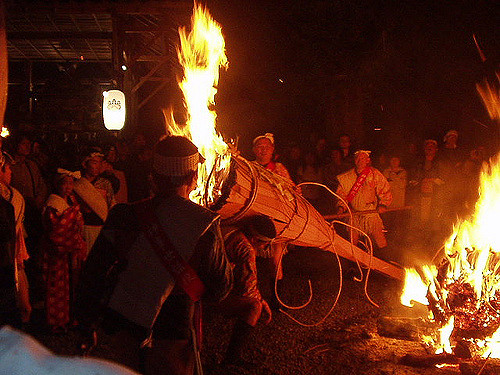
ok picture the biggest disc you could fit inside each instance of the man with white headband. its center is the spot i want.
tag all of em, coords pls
(365, 188)
(171, 254)
(263, 149)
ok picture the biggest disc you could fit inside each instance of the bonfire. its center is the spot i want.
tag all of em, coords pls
(463, 292)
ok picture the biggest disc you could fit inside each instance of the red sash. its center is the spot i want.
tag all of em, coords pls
(181, 271)
(357, 185)
(271, 166)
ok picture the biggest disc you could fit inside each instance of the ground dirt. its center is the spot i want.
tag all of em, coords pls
(347, 342)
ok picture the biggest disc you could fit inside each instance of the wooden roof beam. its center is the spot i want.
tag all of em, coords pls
(37, 35)
(89, 7)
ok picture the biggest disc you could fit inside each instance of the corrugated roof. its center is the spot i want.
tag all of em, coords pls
(81, 30)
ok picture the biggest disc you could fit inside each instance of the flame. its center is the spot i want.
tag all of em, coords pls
(491, 98)
(201, 54)
(5, 132)
(414, 289)
(472, 258)
(444, 337)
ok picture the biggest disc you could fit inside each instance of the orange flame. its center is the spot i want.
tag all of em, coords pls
(472, 250)
(201, 54)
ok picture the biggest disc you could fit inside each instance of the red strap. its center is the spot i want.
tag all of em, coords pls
(357, 185)
(271, 166)
(181, 271)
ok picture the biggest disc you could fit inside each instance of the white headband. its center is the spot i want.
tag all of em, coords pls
(367, 152)
(269, 136)
(175, 165)
(77, 175)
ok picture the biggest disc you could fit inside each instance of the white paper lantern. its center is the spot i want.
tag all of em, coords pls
(113, 109)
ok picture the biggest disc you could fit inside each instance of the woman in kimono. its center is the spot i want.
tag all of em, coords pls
(14, 197)
(64, 249)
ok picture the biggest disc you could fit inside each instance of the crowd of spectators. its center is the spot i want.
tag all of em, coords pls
(61, 199)
(433, 182)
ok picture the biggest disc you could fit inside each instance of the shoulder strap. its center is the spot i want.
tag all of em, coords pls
(357, 185)
(181, 271)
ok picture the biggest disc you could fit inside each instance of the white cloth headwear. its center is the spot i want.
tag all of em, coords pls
(77, 175)
(175, 165)
(367, 152)
(269, 136)
(450, 133)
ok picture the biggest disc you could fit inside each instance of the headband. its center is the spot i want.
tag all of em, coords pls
(367, 152)
(63, 172)
(175, 165)
(269, 136)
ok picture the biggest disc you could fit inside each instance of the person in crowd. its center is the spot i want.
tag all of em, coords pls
(11, 195)
(410, 157)
(28, 179)
(382, 162)
(397, 177)
(428, 178)
(64, 250)
(95, 195)
(263, 149)
(322, 152)
(365, 188)
(310, 171)
(346, 152)
(452, 159)
(332, 169)
(245, 301)
(138, 171)
(472, 171)
(26, 175)
(158, 272)
(108, 166)
(293, 160)
(123, 154)
(40, 156)
(9, 309)
(451, 153)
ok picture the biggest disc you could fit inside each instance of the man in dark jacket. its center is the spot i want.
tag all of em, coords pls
(165, 252)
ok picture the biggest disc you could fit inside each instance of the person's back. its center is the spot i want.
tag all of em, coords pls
(147, 248)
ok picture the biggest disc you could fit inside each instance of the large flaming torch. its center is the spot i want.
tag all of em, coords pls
(231, 185)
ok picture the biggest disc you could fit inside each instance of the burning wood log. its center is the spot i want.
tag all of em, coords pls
(409, 329)
(250, 189)
(428, 360)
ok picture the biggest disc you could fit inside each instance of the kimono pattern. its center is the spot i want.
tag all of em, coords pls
(65, 248)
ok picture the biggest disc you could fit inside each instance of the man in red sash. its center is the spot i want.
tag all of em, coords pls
(365, 189)
(171, 253)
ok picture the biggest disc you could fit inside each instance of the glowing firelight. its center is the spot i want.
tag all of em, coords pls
(472, 253)
(414, 289)
(444, 337)
(201, 55)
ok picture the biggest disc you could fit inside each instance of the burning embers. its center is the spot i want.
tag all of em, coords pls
(463, 293)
